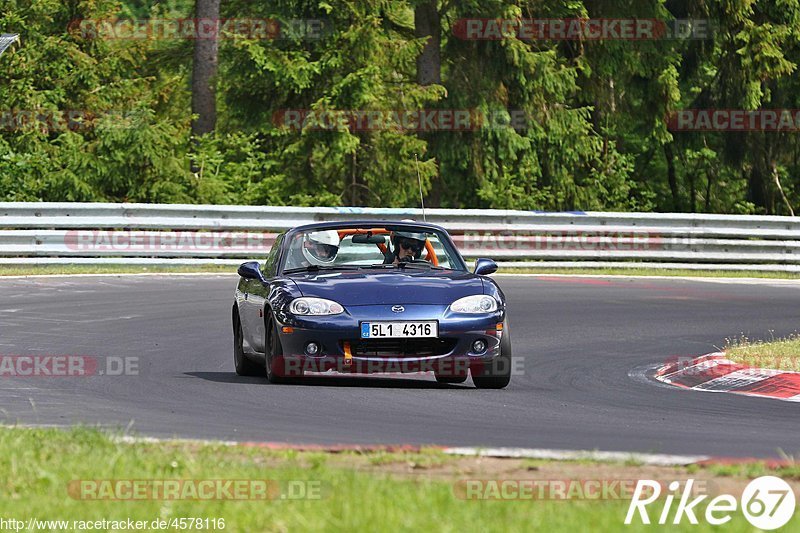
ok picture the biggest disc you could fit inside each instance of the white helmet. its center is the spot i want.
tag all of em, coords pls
(321, 247)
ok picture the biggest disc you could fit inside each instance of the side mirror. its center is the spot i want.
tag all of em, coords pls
(484, 267)
(250, 270)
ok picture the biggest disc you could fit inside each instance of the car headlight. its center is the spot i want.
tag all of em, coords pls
(479, 303)
(314, 306)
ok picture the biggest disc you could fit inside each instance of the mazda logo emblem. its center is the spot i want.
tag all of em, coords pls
(398, 308)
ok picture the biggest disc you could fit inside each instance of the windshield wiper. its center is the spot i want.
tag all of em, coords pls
(317, 268)
(424, 265)
(404, 265)
(379, 265)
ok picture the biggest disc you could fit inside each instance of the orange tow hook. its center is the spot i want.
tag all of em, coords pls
(348, 356)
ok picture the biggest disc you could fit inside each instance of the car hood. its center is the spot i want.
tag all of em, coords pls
(393, 287)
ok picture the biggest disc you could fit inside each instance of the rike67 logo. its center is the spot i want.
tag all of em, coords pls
(767, 503)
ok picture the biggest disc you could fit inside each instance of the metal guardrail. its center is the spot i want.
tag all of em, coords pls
(6, 40)
(58, 233)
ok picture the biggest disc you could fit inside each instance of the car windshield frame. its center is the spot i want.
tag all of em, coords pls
(456, 261)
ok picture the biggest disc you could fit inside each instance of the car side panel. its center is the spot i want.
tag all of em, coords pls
(272, 294)
(246, 312)
(257, 301)
(491, 288)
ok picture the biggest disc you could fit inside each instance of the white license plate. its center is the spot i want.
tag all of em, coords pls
(390, 330)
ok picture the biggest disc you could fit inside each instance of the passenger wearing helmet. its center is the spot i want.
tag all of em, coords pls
(321, 247)
(407, 247)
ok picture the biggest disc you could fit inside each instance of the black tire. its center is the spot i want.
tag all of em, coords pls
(275, 364)
(496, 375)
(243, 365)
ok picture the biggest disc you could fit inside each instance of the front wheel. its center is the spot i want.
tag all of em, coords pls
(243, 365)
(497, 373)
(276, 364)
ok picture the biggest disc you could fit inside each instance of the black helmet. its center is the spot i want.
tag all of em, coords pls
(410, 240)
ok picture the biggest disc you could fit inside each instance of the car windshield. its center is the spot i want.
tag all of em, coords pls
(364, 248)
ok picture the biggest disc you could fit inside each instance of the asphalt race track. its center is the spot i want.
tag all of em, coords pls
(585, 346)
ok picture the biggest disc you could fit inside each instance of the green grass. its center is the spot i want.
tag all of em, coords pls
(749, 470)
(780, 354)
(37, 465)
(422, 459)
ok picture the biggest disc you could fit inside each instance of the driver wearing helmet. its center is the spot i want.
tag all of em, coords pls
(408, 246)
(320, 247)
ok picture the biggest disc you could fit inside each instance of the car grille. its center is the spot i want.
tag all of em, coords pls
(401, 347)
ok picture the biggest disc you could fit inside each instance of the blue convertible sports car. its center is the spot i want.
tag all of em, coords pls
(367, 297)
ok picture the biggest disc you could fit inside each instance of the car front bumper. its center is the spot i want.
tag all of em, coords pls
(342, 349)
